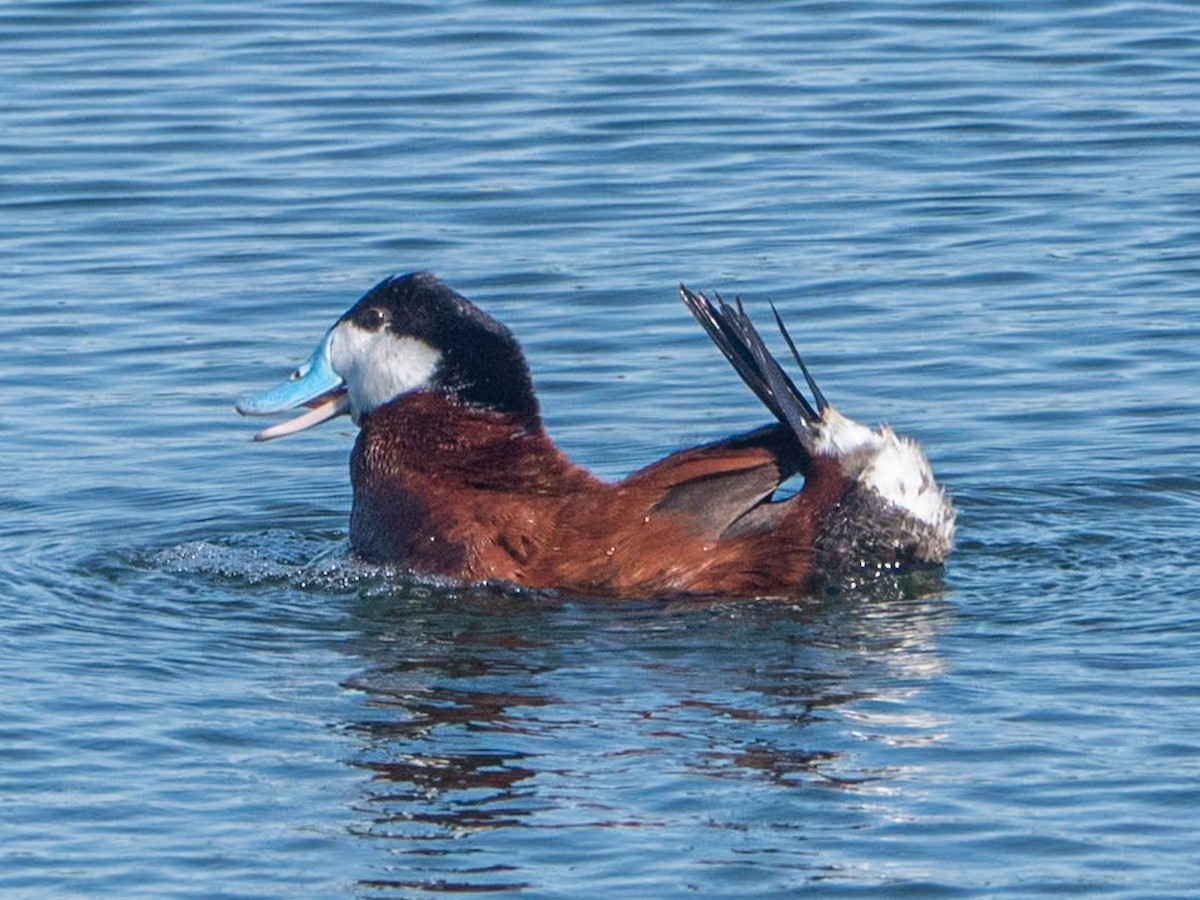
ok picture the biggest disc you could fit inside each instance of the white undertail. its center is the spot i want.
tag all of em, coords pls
(890, 465)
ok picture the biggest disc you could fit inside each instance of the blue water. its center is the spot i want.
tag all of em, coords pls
(982, 221)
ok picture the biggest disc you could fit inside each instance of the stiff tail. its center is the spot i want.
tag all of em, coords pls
(892, 512)
(733, 332)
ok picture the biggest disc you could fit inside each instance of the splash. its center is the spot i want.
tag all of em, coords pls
(270, 557)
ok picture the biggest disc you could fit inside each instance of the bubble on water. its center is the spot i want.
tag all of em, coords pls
(319, 563)
(275, 556)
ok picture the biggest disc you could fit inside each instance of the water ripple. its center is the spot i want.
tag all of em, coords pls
(980, 219)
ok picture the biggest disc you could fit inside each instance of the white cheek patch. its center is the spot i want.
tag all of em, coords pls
(379, 366)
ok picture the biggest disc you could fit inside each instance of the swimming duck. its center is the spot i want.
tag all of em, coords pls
(453, 474)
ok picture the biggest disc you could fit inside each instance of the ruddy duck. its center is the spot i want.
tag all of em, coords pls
(453, 474)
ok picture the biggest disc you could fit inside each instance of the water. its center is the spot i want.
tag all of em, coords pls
(982, 221)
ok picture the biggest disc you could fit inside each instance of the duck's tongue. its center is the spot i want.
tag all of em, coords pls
(330, 406)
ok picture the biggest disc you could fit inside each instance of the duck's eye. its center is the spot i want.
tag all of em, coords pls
(372, 318)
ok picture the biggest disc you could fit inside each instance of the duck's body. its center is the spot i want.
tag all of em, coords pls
(453, 474)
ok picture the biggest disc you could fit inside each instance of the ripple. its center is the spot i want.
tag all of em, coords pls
(980, 219)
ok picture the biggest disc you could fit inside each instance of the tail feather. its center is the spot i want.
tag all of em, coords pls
(819, 397)
(735, 335)
(889, 510)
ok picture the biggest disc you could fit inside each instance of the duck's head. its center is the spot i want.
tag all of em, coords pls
(408, 333)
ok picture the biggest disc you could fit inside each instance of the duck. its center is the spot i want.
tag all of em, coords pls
(454, 477)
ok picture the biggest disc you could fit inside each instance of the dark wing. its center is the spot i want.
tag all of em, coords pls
(719, 484)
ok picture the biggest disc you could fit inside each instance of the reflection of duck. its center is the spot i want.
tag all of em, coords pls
(453, 474)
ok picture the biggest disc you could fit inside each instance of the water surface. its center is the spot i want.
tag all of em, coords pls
(981, 221)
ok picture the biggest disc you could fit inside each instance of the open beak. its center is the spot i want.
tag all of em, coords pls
(314, 385)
